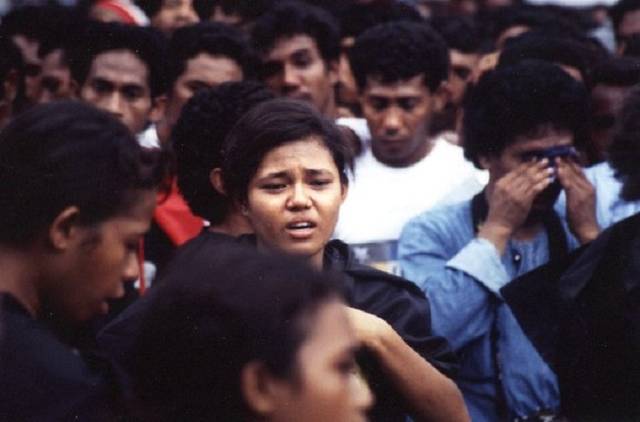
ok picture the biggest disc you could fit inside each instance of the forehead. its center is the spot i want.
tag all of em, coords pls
(285, 47)
(545, 139)
(53, 60)
(211, 69)
(307, 153)
(121, 67)
(458, 58)
(412, 87)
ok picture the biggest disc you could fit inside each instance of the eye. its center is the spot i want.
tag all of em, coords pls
(407, 104)
(461, 72)
(320, 182)
(50, 84)
(195, 86)
(347, 366)
(378, 103)
(301, 59)
(132, 92)
(101, 86)
(273, 187)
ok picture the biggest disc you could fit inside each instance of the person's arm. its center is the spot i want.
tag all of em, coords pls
(429, 394)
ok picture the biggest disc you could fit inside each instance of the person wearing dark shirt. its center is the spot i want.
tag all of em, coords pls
(286, 167)
(77, 196)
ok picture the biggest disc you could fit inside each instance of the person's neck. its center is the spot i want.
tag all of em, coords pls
(163, 129)
(19, 278)
(235, 224)
(418, 155)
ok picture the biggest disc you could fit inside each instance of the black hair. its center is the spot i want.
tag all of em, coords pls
(248, 10)
(27, 20)
(66, 154)
(459, 32)
(197, 140)
(211, 38)
(518, 100)
(624, 151)
(288, 19)
(621, 8)
(146, 43)
(619, 71)
(11, 60)
(534, 17)
(223, 308)
(632, 46)
(398, 51)
(268, 126)
(63, 29)
(542, 46)
(150, 7)
(357, 18)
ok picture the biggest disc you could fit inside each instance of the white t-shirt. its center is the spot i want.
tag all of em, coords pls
(382, 199)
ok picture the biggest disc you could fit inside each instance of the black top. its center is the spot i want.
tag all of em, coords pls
(43, 379)
(405, 307)
(582, 313)
(401, 303)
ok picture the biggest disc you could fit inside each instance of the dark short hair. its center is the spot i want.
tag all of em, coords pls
(150, 7)
(357, 18)
(27, 20)
(63, 30)
(11, 60)
(459, 32)
(211, 38)
(268, 126)
(398, 51)
(624, 151)
(247, 9)
(66, 154)
(534, 17)
(223, 308)
(518, 100)
(554, 49)
(198, 136)
(288, 19)
(619, 71)
(146, 43)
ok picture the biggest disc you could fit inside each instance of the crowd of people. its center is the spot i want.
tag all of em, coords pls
(386, 210)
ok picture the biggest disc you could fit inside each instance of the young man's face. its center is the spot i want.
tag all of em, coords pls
(174, 14)
(521, 151)
(118, 82)
(294, 68)
(55, 82)
(202, 71)
(398, 115)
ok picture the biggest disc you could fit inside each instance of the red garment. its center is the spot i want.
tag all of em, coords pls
(175, 218)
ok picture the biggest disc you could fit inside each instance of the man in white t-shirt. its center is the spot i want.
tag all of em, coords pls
(400, 69)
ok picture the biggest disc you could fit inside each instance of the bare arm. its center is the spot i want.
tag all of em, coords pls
(429, 395)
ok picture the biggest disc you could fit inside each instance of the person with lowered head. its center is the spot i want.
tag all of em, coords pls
(253, 338)
(77, 196)
(523, 124)
(401, 70)
(286, 167)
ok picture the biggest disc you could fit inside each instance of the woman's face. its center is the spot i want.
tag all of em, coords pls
(294, 199)
(327, 386)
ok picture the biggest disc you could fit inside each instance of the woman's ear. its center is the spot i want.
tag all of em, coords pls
(64, 228)
(262, 391)
(344, 191)
(215, 178)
